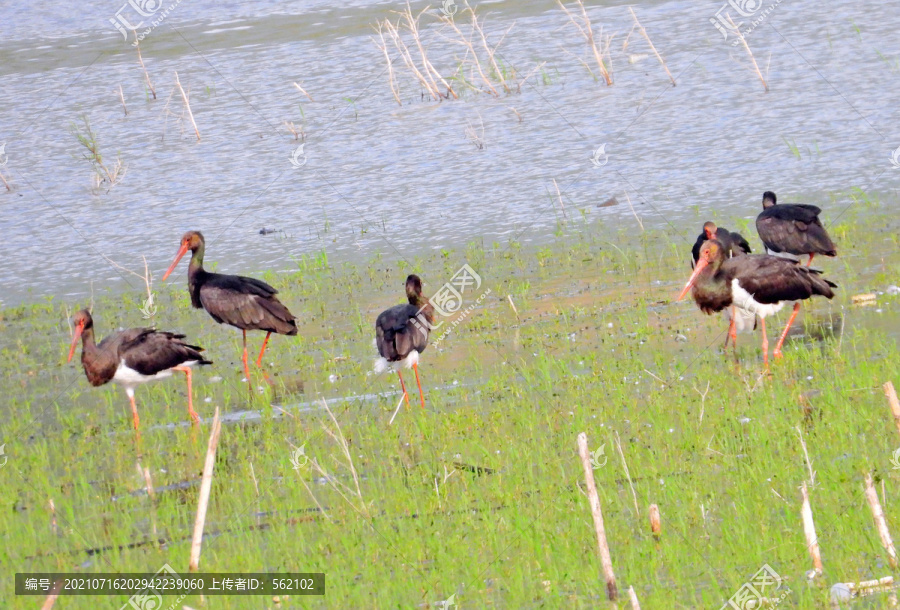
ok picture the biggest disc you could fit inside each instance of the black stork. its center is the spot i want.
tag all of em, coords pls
(734, 243)
(791, 230)
(134, 356)
(242, 302)
(739, 320)
(759, 283)
(401, 334)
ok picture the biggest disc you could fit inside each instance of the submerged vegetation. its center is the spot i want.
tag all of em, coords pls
(481, 495)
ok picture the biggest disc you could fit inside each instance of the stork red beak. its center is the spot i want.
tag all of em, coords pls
(701, 264)
(181, 252)
(78, 330)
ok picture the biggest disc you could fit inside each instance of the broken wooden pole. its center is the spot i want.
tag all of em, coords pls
(809, 528)
(205, 486)
(605, 557)
(880, 522)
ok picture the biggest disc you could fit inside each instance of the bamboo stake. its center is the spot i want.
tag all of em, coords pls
(187, 105)
(891, 394)
(632, 597)
(880, 522)
(809, 529)
(655, 52)
(749, 52)
(137, 45)
(205, 486)
(655, 524)
(605, 559)
(812, 473)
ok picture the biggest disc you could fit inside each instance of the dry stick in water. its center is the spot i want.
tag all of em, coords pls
(559, 196)
(632, 597)
(605, 558)
(205, 486)
(303, 91)
(468, 43)
(655, 52)
(405, 55)
(5, 183)
(413, 25)
(588, 33)
(137, 45)
(122, 97)
(187, 105)
(395, 90)
(880, 523)
(749, 52)
(809, 529)
(891, 394)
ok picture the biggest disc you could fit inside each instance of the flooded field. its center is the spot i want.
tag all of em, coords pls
(309, 163)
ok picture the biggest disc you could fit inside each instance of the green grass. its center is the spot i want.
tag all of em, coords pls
(594, 348)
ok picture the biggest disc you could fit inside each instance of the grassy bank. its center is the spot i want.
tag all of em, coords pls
(480, 495)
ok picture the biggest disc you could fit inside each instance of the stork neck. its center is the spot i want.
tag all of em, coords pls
(197, 258)
(88, 345)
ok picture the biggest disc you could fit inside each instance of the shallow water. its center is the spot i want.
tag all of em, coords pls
(406, 179)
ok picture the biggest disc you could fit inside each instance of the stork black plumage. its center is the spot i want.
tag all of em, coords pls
(792, 230)
(734, 244)
(133, 357)
(759, 283)
(401, 334)
(242, 302)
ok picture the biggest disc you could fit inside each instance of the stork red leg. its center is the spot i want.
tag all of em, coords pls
(777, 352)
(265, 341)
(246, 368)
(187, 374)
(809, 262)
(733, 331)
(403, 387)
(419, 383)
(765, 343)
(134, 413)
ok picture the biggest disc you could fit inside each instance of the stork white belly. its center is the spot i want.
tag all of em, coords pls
(130, 378)
(745, 300)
